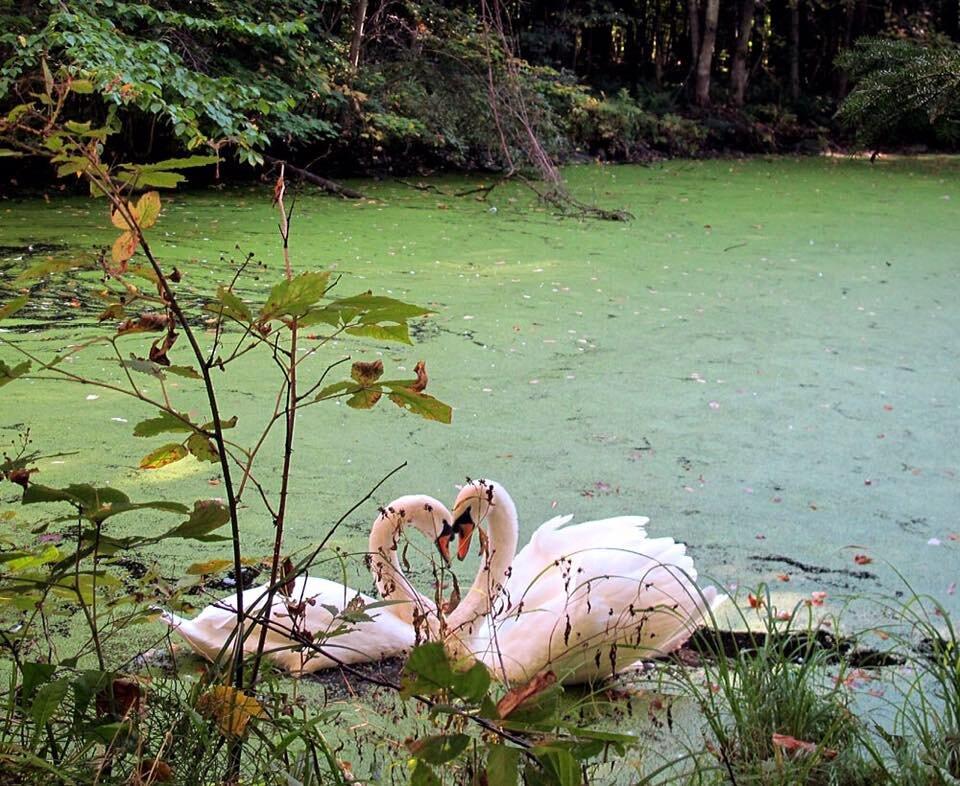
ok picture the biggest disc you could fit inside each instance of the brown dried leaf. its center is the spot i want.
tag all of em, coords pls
(791, 744)
(289, 577)
(146, 322)
(421, 371)
(120, 699)
(154, 771)
(517, 696)
(21, 476)
(366, 373)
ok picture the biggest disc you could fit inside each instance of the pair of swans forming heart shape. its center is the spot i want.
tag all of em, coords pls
(584, 601)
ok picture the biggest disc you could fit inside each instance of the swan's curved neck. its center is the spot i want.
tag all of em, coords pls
(498, 533)
(385, 537)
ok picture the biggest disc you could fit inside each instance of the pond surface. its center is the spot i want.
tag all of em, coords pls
(763, 361)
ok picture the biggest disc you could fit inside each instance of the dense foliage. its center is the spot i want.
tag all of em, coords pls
(381, 84)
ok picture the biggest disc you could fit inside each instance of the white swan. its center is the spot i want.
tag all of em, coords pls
(389, 632)
(583, 601)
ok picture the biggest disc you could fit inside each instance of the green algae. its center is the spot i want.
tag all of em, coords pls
(762, 361)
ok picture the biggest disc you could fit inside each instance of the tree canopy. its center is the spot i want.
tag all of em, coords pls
(372, 84)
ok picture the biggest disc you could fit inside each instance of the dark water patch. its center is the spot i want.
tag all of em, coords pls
(713, 644)
(817, 570)
(362, 678)
(32, 249)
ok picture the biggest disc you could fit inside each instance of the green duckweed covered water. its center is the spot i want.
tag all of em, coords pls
(763, 361)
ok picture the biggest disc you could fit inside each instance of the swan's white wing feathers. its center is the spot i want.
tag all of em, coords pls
(607, 597)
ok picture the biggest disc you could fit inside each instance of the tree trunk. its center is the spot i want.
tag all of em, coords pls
(738, 70)
(359, 19)
(842, 75)
(693, 9)
(794, 50)
(705, 60)
(950, 18)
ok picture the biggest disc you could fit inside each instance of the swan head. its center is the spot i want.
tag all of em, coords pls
(479, 502)
(420, 511)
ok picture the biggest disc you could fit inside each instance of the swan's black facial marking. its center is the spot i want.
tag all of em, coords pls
(463, 528)
(464, 518)
(443, 541)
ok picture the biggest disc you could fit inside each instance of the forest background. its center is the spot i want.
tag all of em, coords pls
(351, 87)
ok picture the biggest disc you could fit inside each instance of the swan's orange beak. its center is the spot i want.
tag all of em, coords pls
(466, 533)
(443, 542)
(464, 527)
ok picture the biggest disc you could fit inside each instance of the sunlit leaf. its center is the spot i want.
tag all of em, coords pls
(6, 152)
(123, 248)
(166, 454)
(210, 566)
(231, 709)
(148, 206)
(12, 307)
(119, 219)
(30, 561)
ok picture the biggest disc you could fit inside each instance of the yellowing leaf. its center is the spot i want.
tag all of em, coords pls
(119, 219)
(123, 248)
(210, 566)
(231, 709)
(163, 456)
(149, 208)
